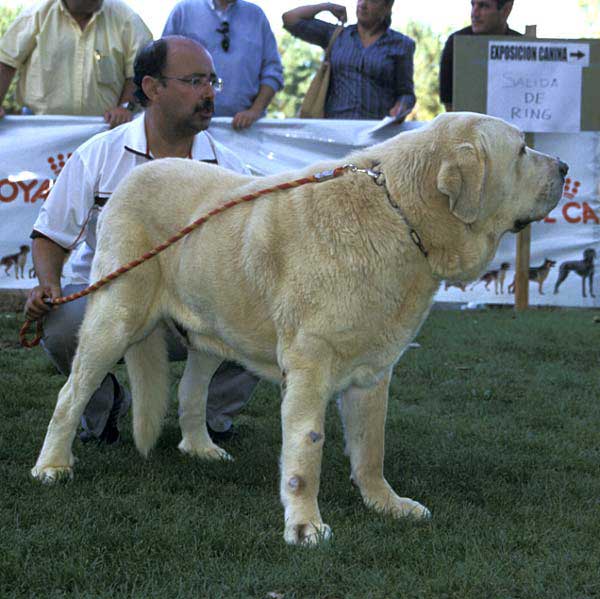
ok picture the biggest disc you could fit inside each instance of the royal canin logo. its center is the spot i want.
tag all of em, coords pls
(32, 190)
(572, 211)
(571, 188)
(57, 164)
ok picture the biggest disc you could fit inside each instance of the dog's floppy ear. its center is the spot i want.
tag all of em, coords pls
(461, 177)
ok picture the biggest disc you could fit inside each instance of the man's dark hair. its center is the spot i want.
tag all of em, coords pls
(388, 20)
(501, 3)
(150, 61)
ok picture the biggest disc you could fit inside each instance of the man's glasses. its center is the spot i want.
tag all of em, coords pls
(198, 81)
(224, 31)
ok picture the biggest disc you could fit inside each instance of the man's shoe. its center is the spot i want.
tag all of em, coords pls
(86, 436)
(110, 434)
(221, 436)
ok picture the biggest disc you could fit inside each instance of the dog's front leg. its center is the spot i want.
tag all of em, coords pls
(363, 413)
(193, 391)
(303, 424)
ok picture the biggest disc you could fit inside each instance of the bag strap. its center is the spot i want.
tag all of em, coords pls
(332, 39)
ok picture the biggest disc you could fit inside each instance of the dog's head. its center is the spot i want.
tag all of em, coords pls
(490, 176)
(589, 254)
(462, 182)
(548, 263)
(24, 249)
(481, 180)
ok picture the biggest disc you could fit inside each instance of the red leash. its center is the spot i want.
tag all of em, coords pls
(316, 178)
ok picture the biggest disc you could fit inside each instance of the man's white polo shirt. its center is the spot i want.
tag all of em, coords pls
(69, 214)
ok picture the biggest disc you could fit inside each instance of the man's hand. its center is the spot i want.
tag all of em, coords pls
(338, 11)
(117, 116)
(245, 118)
(399, 108)
(35, 307)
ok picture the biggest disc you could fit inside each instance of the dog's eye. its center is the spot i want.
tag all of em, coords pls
(523, 150)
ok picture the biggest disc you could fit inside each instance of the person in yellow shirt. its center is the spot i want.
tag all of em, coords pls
(74, 57)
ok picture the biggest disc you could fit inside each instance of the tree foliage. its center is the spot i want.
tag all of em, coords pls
(428, 52)
(592, 10)
(7, 16)
(301, 61)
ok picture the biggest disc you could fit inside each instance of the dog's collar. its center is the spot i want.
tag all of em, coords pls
(379, 179)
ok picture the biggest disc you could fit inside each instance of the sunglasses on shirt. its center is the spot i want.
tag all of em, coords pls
(224, 31)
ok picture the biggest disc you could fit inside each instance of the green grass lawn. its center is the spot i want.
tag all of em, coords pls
(494, 424)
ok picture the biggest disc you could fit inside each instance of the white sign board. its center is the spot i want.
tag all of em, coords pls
(537, 85)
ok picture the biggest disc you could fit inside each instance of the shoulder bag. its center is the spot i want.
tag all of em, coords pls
(313, 105)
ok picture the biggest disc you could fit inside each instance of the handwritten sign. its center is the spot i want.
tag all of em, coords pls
(537, 85)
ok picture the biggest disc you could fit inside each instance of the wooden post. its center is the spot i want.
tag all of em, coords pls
(524, 237)
(522, 269)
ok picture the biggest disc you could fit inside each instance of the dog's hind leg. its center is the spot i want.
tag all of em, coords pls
(147, 368)
(193, 391)
(363, 413)
(562, 275)
(103, 340)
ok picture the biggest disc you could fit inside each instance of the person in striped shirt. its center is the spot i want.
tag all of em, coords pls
(371, 64)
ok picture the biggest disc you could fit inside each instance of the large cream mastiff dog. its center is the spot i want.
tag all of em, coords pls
(321, 288)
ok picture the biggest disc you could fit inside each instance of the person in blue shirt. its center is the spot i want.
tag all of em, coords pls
(371, 64)
(238, 36)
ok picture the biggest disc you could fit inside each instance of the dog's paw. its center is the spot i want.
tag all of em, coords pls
(399, 507)
(307, 533)
(204, 452)
(50, 475)
(404, 507)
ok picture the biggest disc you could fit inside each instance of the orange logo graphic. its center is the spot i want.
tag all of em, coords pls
(57, 164)
(571, 188)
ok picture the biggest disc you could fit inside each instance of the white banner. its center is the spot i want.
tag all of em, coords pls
(34, 149)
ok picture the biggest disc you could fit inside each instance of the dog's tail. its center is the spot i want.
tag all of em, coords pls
(148, 368)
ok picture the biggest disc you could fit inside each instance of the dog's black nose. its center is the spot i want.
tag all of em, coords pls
(563, 167)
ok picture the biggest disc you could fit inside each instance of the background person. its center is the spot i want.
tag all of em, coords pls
(74, 57)
(177, 85)
(238, 36)
(371, 64)
(488, 17)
